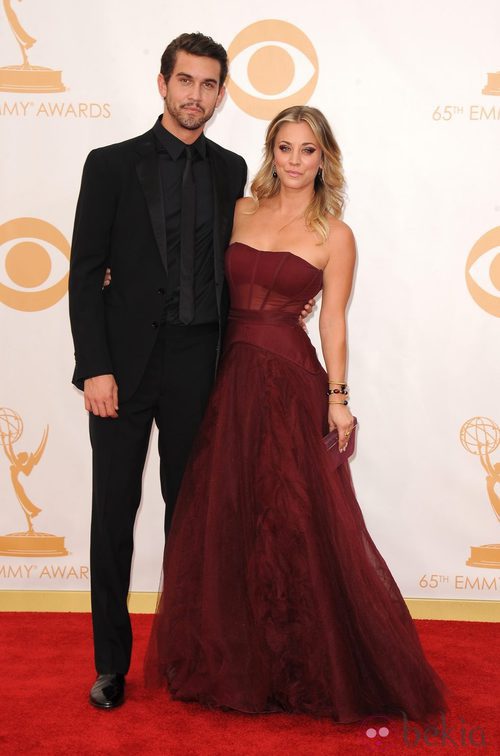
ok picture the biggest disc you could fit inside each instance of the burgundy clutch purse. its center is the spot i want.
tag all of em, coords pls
(331, 441)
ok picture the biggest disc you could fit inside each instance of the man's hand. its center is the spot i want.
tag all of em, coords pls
(305, 312)
(101, 395)
(107, 278)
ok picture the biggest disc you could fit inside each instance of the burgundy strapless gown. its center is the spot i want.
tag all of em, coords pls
(275, 597)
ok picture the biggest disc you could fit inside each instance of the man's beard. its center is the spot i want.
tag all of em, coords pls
(191, 121)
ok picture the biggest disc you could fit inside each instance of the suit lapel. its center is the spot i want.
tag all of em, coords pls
(148, 172)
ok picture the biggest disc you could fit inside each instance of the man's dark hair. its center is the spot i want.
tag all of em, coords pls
(194, 44)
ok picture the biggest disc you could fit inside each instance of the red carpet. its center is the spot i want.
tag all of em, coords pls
(47, 669)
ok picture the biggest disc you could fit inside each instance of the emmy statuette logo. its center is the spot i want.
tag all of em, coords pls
(29, 543)
(273, 65)
(493, 84)
(481, 436)
(25, 77)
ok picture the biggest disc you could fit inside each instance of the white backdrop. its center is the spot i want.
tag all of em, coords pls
(402, 84)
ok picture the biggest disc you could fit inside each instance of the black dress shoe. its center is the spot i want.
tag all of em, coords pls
(108, 691)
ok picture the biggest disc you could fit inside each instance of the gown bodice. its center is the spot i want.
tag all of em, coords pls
(268, 291)
(270, 281)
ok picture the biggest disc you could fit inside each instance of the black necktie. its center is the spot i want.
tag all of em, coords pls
(186, 298)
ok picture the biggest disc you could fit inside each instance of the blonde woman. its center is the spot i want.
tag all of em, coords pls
(275, 597)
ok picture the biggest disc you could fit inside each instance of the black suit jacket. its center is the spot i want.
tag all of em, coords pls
(120, 222)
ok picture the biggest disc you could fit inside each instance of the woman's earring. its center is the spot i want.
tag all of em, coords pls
(319, 174)
(275, 175)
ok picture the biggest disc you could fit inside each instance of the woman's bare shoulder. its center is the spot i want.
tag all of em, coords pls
(341, 241)
(340, 232)
(245, 205)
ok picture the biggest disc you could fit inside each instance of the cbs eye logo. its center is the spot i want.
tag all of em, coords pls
(482, 272)
(273, 65)
(32, 263)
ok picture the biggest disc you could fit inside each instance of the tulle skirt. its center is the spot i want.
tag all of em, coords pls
(275, 597)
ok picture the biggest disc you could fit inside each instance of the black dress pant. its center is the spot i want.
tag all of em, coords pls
(174, 392)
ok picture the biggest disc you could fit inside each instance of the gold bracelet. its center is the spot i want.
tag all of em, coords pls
(344, 402)
(338, 383)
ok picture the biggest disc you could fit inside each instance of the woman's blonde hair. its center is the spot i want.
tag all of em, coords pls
(329, 185)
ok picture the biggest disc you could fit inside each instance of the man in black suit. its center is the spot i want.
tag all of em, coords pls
(158, 210)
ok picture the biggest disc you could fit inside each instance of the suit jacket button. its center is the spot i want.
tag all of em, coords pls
(160, 291)
(154, 324)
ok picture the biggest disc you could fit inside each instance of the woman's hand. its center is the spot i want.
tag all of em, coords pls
(305, 312)
(339, 417)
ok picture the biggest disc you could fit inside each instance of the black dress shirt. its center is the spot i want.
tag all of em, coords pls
(172, 157)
